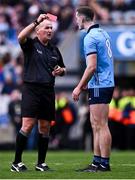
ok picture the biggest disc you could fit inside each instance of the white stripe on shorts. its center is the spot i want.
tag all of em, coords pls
(96, 92)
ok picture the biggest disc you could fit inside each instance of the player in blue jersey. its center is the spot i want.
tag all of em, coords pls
(99, 78)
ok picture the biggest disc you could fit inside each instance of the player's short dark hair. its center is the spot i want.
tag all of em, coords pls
(87, 12)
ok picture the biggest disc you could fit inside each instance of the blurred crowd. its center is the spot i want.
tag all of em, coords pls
(72, 124)
(15, 15)
(122, 118)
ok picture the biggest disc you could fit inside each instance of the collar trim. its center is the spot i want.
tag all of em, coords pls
(92, 27)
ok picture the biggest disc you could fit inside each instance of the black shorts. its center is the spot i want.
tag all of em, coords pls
(100, 95)
(38, 101)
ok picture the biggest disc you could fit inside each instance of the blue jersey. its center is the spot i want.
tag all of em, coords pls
(98, 41)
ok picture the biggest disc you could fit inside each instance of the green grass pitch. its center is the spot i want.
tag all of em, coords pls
(64, 164)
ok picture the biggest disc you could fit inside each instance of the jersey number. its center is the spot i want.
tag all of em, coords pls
(108, 45)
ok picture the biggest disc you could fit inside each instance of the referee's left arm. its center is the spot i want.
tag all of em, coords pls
(59, 71)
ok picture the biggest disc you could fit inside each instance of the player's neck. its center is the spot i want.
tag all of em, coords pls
(87, 25)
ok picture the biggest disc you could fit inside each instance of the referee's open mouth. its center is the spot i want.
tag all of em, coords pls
(49, 35)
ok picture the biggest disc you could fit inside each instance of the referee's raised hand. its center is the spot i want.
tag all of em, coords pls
(22, 36)
(41, 18)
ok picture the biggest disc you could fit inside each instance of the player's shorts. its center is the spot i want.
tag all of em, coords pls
(100, 95)
(38, 101)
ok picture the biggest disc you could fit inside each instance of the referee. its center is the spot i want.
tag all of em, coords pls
(42, 62)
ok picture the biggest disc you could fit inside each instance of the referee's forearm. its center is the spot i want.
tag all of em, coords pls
(26, 32)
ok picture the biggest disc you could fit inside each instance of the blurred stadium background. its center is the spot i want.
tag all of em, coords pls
(71, 129)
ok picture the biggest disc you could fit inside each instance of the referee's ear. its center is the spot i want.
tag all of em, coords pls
(37, 29)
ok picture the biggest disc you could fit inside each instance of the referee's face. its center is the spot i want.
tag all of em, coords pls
(45, 31)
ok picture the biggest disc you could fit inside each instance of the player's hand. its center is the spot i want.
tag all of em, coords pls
(84, 87)
(57, 71)
(75, 94)
(41, 18)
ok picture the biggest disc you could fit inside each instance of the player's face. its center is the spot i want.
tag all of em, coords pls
(79, 21)
(45, 30)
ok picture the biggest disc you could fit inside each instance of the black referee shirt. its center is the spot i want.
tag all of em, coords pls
(39, 61)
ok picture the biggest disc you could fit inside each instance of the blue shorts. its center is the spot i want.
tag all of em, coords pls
(100, 95)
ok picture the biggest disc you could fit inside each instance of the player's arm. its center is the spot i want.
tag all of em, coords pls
(29, 29)
(88, 73)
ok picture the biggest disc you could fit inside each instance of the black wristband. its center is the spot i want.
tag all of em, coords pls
(36, 23)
